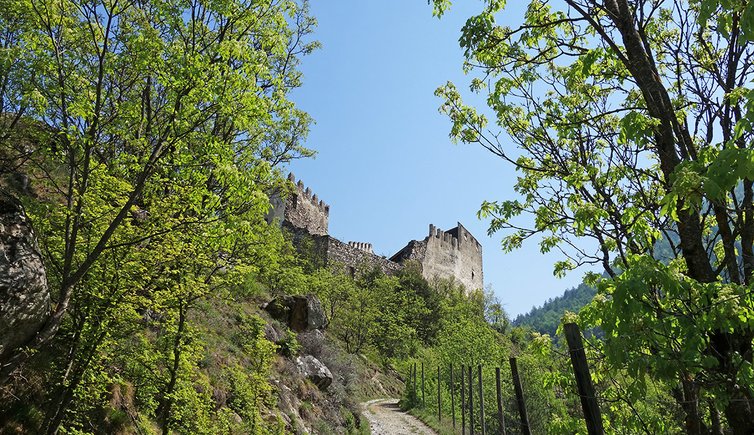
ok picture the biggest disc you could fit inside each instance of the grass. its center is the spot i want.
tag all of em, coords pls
(429, 417)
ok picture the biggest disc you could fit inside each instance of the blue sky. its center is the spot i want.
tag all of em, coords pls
(385, 163)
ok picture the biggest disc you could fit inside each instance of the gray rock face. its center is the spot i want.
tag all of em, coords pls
(300, 313)
(312, 342)
(315, 371)
(273, 334)
(24, 295)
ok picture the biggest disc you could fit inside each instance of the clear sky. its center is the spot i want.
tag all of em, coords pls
(385, 163)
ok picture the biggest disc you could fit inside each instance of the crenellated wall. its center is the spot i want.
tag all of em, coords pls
(327, 251)
(302, 209)
(355, 258)
(366, 247)
(454, 253)
(446, 254)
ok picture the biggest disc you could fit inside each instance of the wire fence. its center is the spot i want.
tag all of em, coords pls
(476, 405)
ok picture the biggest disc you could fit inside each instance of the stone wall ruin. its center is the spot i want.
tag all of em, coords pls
(454, 253)
(301, 209)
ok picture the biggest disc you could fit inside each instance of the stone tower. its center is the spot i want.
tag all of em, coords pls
(445, 254)
(454, 253)
(302, 209)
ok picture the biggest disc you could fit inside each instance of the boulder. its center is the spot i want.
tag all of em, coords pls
(315, 371)
(24, 294)
(273, 333)
(312, 342)
(300, 313)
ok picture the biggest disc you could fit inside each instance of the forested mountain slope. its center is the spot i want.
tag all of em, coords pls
(546, 318)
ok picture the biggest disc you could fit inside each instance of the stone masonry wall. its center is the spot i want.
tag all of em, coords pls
(331, 252)
(445, 254)
(304, 210)
(354, 258)
(301, 209)
(454, 253)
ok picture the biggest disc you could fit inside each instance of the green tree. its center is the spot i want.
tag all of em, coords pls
(629, 123)
(494, 313)
(141, 101)
(202, 262)
(546, 318)
(425, 316)
(355, 324)
(151, 133)
(333, 288)
(394, 334)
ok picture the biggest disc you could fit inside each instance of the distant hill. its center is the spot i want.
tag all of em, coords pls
(545, 319)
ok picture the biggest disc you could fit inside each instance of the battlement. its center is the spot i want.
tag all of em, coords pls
(302, 209)
(457, 238)
(366, 247)
(305, 193)
(454, 253)
(445, 238)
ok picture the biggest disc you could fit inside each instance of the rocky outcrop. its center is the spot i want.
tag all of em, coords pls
(315, 371)
(312, 342)
(274, 333)
(300, 313)
(24, 294)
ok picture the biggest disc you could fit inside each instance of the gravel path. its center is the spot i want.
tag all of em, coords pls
(386, 418)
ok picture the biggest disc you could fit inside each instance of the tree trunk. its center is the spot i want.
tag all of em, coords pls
(717, 427)
(690, 403)
(166, 403)
(740, 415)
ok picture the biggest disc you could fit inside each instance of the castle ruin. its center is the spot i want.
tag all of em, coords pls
(301, 210)
(454, 253)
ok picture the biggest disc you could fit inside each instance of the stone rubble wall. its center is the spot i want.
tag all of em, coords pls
(355, 258)
(442, 254)
(331, 252)
(305, 210)
(301, 209)
(447, 254)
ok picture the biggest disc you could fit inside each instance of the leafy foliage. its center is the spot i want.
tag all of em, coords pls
(629, 125)
(151, 133)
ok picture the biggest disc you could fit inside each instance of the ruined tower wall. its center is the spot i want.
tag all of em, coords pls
(447, 254)
(301, 209)
(454, 253)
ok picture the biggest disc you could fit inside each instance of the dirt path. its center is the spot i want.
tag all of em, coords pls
(385, 418)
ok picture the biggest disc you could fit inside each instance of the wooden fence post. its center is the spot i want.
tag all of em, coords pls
(452, 397)
(481, 402)
(463, 399)
(423, 402)
(525, 429)
(414, 375)
(500, 418)
(471, 401)
(439, 399)
(588, 397)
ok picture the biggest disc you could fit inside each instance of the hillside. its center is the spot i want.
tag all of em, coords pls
(546, 318)
(160, 275)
